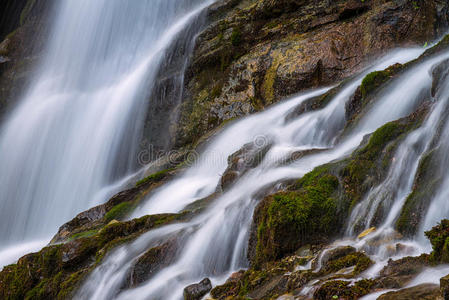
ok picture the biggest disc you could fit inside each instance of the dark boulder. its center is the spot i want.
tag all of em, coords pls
(198, 290)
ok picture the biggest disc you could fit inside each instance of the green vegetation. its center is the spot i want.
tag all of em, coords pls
(158, 176)
(357, 259)
(439, 238)
(376, 79)
(339, 289)
(56, 271)
(428, 178)
(83, 234)
(119, 211)
(290, 219)
(236, 37)
(365, 160)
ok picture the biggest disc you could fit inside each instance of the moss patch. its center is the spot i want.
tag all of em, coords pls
(155, 177)
(439, 238)
(290, 219)
(339, 289)
(56, 271)
(119, 211)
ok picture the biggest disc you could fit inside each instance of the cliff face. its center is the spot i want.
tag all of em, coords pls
(256, 52)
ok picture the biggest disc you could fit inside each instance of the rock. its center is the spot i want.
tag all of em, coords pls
(421, 292)
(115, 208)
(287, 220)
(339, 289)
(444, 287)
(286, 48)
(249, 157)
(198, 290)
(151, 262)
(23, 34)
(366, 232)
(439, 238)
(336, 253)
(397, 273)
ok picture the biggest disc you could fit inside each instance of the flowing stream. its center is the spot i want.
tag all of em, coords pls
(75, 134)
(214, 243)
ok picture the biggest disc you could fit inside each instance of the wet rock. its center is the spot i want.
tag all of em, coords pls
(339, 289)
(198, 290)
(249, 157)
(397, 273)
(23, 35)
(151, 262)
(439, 238)
(444, 287)
(423, 291)
(304, 214)
(115, 208)
(335, 254)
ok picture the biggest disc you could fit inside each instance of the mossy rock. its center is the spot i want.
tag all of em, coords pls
(427, 180)
(339, 289)
(287, 220)
(439, 238)
(57, 270)
(155, 177)
(358, 260)
(376, 79)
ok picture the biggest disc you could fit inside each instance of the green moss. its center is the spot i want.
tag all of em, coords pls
(158, 176)
(236, 37)
(357, 259)
(439, 238)
(339, 289)
(119, 211)
(376, 79)
(296, 217)
(365, 160)
(56, 271)
(427, 180)
(83, 234)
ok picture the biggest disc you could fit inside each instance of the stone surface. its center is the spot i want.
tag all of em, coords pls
(256, 52)
(198, 290)
(421, 292)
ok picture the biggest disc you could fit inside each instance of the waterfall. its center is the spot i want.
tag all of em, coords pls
(73, 138)
(72, 142)
(214, 243)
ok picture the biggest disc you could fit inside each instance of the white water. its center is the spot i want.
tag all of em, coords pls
(75, 132)
(217, 239)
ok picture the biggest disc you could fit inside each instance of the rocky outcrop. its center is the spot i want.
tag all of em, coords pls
(117, 208)
(57, 270)
(257, 52)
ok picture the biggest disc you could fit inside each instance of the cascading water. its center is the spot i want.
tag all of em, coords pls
(75, 132)
(73, 138)
(214, 243)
